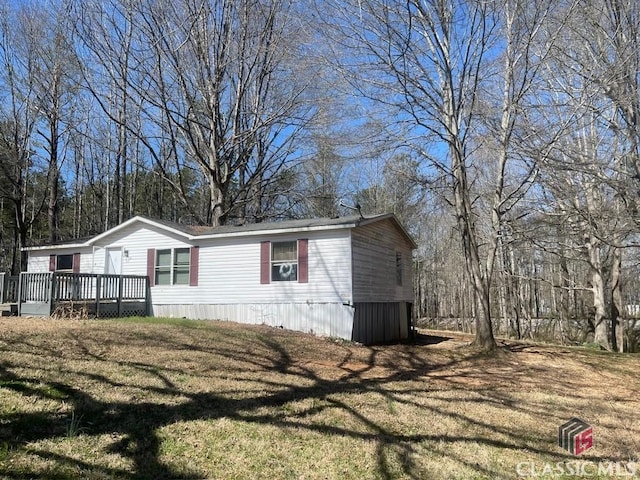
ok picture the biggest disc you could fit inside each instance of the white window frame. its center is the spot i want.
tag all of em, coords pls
(286, 270)
(174, 267)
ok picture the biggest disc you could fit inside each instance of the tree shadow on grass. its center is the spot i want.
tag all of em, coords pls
(135, 425)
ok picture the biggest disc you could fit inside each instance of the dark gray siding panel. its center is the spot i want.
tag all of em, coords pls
(381, 322)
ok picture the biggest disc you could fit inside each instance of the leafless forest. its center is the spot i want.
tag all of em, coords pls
(504, 134)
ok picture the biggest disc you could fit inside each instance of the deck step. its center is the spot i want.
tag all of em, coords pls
(8, 309)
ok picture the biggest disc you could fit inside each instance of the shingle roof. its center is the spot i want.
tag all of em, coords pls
(191, 231)
(254, 227)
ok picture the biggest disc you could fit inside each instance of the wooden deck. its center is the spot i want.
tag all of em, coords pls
(91, 295)
(9, 286)
(8, 309)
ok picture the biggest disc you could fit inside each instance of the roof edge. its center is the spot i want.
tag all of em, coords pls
(61, 246)
(132, 220)
(274, 228)
(396, 221)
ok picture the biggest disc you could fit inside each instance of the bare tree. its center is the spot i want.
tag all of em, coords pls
(613, 64)
(18, 125)
(216, 90)
(47, 31)
(595, 78)
(585, 204)
(434, 62)
(320, 179)
(107, 35)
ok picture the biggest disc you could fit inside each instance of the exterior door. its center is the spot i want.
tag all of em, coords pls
(113, 261)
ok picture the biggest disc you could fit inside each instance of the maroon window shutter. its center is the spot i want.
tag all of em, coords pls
(52, 263)
(151, 266)
(265, 262)
(194, 260)
(303, 260)
(76, 263)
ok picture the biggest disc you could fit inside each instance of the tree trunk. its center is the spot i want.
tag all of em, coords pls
(19, 260)
(515, 297)
(617, 328)
(216, 204)
(566, 293)
(484, 331)
(479, 282)
(503, 289)
(52, 203)
(601, 336)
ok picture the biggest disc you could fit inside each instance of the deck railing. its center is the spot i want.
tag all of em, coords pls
(40, 292)
(8, 288)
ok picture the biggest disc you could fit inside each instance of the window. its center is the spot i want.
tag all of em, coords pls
(399, 268)
(181, 266)
(68, 262)
(284, 261)
(64, 262)
(172, 266)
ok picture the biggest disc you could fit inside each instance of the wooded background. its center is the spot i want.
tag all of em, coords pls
(504, 134)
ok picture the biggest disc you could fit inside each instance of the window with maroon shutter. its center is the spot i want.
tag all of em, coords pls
(173, 266)
(194, 266)
(303, 260)
(286, 261)
(265, 263)
(64, 263)
(151, 266)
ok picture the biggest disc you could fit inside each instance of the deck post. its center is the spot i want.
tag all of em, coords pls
(19, 294)
(120, 290)
(147, 294)
(98, 285)
(53, 287)
(76, 286)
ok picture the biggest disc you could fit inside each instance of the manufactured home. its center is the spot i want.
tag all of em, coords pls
(347, 277)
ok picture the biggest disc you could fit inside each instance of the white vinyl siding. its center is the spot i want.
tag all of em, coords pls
(229, 267)
(38, 261)
(230, 271)
(381, 264)
(370, 263)
(136, 239)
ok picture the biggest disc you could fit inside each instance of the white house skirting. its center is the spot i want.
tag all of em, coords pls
(327, 319)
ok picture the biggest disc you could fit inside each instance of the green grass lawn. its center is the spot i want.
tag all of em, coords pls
(163, 399)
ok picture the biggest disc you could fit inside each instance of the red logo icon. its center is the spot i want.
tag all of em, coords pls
(575, 436)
